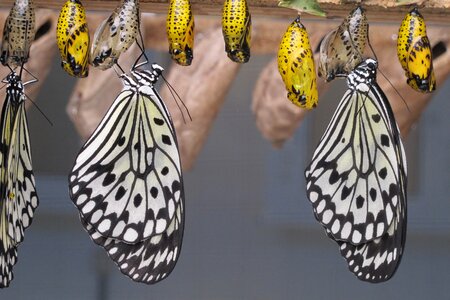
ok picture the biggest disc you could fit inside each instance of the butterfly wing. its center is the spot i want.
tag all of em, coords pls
(353, 180)
(8, 249)
(21, 186)
(148, 261)
(126, 180)
(127, 184)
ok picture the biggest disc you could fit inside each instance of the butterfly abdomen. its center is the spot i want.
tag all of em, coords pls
(236, 29)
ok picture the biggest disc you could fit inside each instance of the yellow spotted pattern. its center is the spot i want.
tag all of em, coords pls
(180, 31)
(296, 66)
(115, 35)
(236, 29)
(72, 36)
(18, 34)
(414, 52)
(342, 49)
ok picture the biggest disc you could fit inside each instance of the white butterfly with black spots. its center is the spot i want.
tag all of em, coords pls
(357, 179)
(127, 182)
(18, 194)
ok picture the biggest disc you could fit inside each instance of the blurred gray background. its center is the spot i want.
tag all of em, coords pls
(250, 231)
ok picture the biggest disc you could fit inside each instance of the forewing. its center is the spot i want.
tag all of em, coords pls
(150, 260)
(22, 199)
(126, 181)
(353, 179)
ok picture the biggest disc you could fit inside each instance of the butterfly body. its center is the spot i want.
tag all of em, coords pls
(115, 35)
(73, 38)
(18, 34)
(127, 182)
(296, 66)
(237, 29)
(414, 53)
(180, 31)
(357, 179)
(17, 185)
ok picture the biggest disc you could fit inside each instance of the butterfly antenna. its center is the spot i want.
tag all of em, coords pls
(37, 107)
(35, 79)
(370, 44)
(396, 91)
(140, 44)
(31, 100)
(385, 77)
(119, 72)
(177, 98)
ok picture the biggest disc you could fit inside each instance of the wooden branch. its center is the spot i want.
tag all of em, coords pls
(433, 10)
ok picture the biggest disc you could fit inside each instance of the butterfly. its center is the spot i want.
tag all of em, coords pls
(341, 49)
(180, 31)
(296, 66)
(237, 29)
(127, 182)
(357, 179)
(414, 52)
(72, 35)
(18, 194)
(18, 34)
(115, 35)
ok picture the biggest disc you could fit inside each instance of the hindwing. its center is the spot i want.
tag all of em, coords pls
(150, 260)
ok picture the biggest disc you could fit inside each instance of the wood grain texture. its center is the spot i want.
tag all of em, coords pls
(433, 10)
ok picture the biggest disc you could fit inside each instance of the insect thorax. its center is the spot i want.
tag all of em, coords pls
(363, 76)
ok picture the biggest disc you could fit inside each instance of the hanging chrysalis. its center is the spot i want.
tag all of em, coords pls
(115, 35)
(72, 35)
(180, 31)
(18, 34)
(237, 29)
(296, 66)
(341, 50)
(414, 53)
